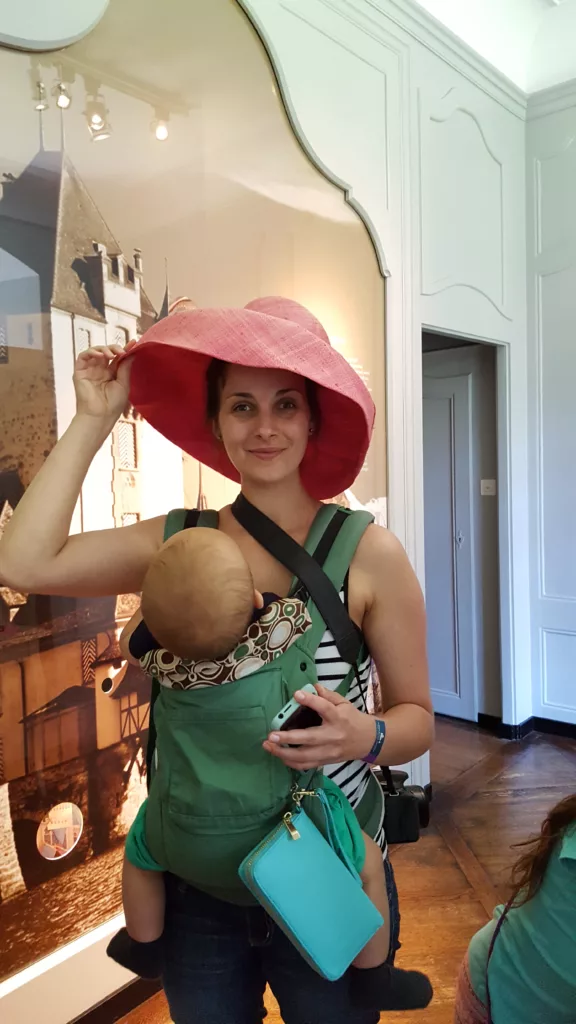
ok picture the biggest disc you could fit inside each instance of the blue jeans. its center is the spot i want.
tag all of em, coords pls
(219, 958)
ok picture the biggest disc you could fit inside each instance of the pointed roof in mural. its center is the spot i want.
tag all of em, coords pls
(49, 221)
(165, 307)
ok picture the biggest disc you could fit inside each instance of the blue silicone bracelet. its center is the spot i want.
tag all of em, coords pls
(378, 742)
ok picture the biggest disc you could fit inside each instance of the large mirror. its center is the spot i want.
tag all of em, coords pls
(151, 160)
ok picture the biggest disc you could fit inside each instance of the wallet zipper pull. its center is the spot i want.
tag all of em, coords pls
(290, 826)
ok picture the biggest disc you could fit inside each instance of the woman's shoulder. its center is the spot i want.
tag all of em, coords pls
(378, 540)
(381, 557)
(381, 576)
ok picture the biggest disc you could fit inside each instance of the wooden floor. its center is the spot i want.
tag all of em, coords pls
(488, 794)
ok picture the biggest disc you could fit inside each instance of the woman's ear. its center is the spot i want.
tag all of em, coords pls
(216, 430)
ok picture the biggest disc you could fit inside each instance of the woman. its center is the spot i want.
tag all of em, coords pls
(521, 967)
(226, 386)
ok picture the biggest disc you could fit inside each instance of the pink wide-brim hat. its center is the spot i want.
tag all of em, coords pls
(168, 384)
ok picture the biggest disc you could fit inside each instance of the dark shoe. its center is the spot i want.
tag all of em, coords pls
(389, 988)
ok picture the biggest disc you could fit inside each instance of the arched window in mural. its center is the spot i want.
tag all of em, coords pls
(59, 832)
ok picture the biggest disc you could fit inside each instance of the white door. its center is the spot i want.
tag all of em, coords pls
(448, 545)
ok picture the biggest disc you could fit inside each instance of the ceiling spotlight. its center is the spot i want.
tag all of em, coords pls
(63, 97)
(97, 117)
(160, 124)
(99, 134)
(41, 102)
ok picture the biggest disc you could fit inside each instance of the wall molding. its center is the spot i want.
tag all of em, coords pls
(543, 593)
(276, 65)
(562, 710)
(441, 113)
(519, 732)
(425, 29)
(553, 156)
(551, 101)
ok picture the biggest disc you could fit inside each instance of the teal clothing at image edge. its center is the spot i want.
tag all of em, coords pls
(532, 975)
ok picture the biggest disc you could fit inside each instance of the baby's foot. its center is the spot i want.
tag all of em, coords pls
(146, 959)
(389, 988)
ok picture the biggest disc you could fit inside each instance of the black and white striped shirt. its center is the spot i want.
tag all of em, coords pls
(351, 776)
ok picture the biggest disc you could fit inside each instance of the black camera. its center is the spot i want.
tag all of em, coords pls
(407, 807)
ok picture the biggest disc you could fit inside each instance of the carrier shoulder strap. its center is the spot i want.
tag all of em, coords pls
(185, 518)
(340, 554)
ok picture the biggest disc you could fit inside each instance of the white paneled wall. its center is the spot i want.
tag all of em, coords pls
(552, 390)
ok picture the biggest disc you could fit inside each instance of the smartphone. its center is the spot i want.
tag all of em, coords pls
(296, 716)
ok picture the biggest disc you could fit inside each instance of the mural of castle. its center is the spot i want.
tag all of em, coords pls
(73, 716)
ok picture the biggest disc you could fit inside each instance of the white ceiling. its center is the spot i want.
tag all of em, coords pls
(532, 42)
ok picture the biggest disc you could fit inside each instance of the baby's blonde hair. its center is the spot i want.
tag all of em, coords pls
(198, 595)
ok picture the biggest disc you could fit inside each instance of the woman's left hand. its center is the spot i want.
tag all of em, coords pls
(346, 734)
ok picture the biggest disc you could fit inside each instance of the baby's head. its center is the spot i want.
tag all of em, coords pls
(198, 595)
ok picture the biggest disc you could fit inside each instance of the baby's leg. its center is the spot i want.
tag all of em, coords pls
(374, 884)
(144, 898)
(376, 985)
(139, 947)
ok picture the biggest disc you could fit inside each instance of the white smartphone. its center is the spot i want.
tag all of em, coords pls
(297, 716)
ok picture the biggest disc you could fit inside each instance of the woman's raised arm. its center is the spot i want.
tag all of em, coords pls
(36, 553)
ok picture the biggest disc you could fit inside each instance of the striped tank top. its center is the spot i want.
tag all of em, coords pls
(351, 776)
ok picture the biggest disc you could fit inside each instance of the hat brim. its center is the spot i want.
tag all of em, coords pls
(168, 388)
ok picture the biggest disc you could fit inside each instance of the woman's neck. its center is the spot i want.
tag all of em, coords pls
(287, 504)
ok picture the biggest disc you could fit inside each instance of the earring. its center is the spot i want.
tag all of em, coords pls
(311, 429)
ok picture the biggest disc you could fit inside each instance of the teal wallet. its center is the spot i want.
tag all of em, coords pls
(313, 895)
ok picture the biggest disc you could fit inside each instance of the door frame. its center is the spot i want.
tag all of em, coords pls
(471, 527)
(406, 492)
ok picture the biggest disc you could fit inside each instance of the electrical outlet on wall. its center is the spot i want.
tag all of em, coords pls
(488, 488)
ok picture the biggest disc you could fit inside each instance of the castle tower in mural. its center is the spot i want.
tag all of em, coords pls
(66, 284)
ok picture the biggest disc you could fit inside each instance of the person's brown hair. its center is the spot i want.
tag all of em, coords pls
(216, 376)
(528, 872)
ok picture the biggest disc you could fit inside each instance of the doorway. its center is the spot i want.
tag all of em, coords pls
(460, 452)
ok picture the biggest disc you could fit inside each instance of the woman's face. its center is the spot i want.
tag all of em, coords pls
(264, 422)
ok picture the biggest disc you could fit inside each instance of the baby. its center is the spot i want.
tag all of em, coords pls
(198, 600)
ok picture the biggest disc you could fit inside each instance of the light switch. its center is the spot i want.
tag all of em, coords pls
(488, 488)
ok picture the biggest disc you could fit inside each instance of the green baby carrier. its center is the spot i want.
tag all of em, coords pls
(214, 792)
